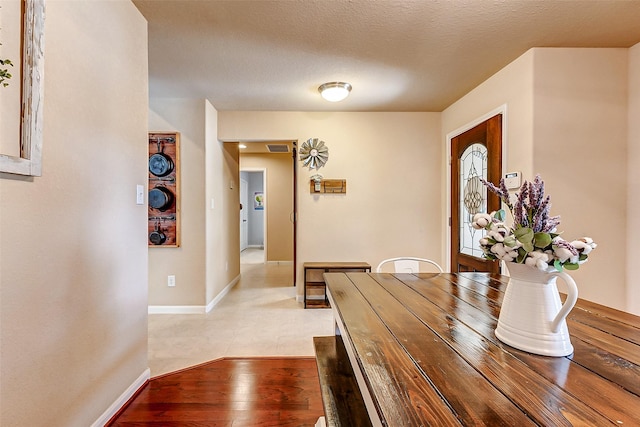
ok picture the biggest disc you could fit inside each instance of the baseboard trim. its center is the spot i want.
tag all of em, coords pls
(280, 262)
(222, 294)
(123, 399)
(176, 309)
(193, 309)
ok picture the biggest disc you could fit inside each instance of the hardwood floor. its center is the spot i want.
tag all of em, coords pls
(230, 392)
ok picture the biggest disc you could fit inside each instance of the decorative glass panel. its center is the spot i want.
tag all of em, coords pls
(473, 197)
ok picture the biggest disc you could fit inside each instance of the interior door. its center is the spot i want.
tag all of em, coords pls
(244, 217)
(475, 153)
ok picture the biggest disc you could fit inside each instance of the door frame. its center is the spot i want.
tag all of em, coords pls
(450, 135)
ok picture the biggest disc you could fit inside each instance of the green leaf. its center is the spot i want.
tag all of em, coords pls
(525, 236)
(542, 240)
(558, 265)
(570, 266)
(500, 215)
(510, 241)
(583, 257)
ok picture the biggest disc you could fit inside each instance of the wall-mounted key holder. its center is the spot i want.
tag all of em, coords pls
(319, 185)
(163, 228)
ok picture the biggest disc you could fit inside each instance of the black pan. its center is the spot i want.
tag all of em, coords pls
(157, 237)
(160, 198)
(160, 164)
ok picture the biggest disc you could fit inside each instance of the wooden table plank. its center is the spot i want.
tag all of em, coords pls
(436, 356)
(394, 387)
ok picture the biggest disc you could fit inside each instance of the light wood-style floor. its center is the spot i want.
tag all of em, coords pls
(258, 317)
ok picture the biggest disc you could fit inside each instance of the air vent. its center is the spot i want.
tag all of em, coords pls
(278, 148)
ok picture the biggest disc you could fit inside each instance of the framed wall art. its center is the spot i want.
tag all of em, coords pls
(26, 75)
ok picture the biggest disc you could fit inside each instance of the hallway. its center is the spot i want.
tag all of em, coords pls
(258, 317)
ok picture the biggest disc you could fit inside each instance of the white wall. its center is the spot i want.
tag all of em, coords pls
(633, 174)
(392, 164)
(73, 241)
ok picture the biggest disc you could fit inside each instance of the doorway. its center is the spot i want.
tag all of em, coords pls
(475, 153)
(252, 216)
(277, 161)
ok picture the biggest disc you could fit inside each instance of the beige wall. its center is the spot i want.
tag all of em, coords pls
(207, 260)
(186, 262)
(223, 222)
(279, 202)
(633, 174)
(580, 149)
(73, 256)
(567, 119)
(392, 164)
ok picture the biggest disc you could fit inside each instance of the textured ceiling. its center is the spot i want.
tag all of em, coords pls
(418, 55)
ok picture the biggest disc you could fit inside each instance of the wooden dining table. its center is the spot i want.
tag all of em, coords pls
(423, 352)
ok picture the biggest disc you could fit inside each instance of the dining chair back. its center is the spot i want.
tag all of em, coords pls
(407, 264)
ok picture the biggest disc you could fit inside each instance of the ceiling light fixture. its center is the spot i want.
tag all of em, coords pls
(335, 91)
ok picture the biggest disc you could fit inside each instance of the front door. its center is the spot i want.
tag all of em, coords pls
(475, 154)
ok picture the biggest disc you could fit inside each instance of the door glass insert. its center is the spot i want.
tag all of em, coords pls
(473, 197)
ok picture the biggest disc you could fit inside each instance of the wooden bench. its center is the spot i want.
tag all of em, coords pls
(315, 290)
(343, 402)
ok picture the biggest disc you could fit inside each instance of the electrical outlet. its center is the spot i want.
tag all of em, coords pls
(171, 280)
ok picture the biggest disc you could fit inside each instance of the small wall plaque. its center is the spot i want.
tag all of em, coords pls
(337, 186)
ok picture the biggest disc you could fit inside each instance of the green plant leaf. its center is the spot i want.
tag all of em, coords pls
(510, 241)
(541, 240)
(570, 266)
(500, 215)
(525, 236)
(558, 265)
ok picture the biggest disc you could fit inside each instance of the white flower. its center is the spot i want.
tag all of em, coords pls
(498, 232)
(503, 252)
(584, 245)
(563, 254)
(481, 220)
(538, 259)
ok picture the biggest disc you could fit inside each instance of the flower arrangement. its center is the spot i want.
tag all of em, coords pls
(532, 239)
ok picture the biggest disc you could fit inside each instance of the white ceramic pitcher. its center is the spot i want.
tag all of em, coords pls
(532, 317)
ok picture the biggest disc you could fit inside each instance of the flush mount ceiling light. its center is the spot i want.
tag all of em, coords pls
(335, 91)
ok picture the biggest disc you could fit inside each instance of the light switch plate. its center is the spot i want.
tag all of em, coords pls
(139, 194)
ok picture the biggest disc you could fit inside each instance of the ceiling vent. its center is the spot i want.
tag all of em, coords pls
(278, 148)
